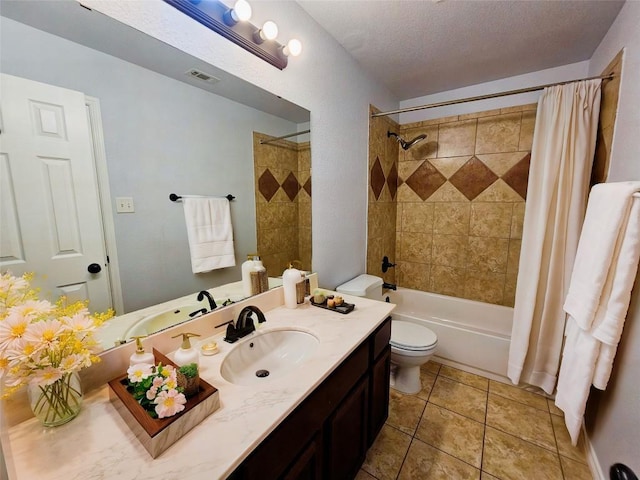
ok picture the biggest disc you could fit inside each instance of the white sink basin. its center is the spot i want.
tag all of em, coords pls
(159, 321)
(268, 356)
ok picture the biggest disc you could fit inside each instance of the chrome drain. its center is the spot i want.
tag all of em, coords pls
(262, 373)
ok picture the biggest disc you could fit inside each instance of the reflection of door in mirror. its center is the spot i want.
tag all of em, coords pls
(50, 208)
(283, 203)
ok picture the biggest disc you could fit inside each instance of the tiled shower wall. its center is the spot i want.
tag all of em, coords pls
(459, 203)
(283, 203)
(383, 176)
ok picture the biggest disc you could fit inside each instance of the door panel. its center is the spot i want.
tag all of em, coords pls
(51, 218)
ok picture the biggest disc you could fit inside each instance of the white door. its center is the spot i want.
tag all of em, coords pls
(50, 221)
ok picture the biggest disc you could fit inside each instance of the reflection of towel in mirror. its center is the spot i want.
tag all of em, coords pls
(210, 233)
(594, 327)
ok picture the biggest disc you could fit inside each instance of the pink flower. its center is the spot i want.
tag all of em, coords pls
(151, 393)
(169, 402)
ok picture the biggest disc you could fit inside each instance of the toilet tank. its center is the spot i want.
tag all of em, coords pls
(364, 285)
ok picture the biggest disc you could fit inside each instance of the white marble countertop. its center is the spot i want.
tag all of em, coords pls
(99, 445)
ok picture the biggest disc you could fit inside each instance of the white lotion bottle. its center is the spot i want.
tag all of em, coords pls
(140, 356)
(247, 267)
(290, 278)
(186, 354)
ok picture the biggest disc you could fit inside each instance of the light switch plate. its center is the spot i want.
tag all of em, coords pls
(124, 205)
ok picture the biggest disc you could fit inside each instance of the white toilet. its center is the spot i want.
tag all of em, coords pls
(411, 344)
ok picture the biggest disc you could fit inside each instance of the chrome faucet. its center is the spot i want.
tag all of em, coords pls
(244, 325)
(212, 302)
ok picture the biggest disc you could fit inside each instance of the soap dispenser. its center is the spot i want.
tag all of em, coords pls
(186, 354)
(247, 267)
(290, 278)
(140, 356)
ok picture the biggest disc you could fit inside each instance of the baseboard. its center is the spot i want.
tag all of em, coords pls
(592, 458)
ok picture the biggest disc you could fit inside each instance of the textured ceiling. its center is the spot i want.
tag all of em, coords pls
(421, 47)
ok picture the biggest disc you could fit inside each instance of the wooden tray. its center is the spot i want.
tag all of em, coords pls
(344, 308)
(158, 434)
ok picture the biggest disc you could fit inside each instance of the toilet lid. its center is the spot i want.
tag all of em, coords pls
(410, 336)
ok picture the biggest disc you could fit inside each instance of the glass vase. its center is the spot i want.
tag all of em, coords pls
(57, 403)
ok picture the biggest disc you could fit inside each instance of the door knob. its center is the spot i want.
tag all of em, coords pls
(94, 268)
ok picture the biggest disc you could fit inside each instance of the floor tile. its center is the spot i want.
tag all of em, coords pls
(387, 453)
(362, 475)
(454, 434)
(523, 421)
(405, 411)
(486, 476)
(553, 409)
(573, 470)
(464, 377)
(427, 379)
(519, 395)
(563, 440)
(431, 367)
(510, 458)
(427, 463)
(460, 398)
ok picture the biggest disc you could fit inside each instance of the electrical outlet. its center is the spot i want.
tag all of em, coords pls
(124, 205)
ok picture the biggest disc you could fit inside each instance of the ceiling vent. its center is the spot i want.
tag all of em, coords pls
(205, 77)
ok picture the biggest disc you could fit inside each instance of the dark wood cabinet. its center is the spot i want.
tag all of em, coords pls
(347, 434)
(328, 434)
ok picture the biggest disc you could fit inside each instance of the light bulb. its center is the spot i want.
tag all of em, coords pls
(293, 48)
(241, 11)
(269, 30)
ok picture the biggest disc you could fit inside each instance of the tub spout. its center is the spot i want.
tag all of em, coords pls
(389, 286)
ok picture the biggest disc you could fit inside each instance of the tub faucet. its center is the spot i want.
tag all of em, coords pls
(389, 286)
(212, 302)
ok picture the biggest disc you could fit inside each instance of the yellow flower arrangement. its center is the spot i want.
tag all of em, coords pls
(44, 345)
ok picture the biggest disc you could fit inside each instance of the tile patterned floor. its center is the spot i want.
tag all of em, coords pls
(463, 426)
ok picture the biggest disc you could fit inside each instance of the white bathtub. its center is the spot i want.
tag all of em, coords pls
(472, 336)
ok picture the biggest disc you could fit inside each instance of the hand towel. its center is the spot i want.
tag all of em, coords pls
(589, 351)
(210, 233)
(608, 210)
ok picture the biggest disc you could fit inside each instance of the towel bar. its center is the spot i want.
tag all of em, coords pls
(174, 198)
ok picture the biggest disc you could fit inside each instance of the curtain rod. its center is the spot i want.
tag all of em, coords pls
(264, 142)
(484, 97)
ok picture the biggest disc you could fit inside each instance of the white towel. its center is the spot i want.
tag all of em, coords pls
(589, 352)
(210, 233)
(607, 213)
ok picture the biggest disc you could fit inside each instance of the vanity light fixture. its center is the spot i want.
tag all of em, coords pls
(293, 48)
(269, 31)
(233, 24)
(241, 12)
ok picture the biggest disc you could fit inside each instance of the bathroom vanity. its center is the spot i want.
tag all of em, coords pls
(317, 421)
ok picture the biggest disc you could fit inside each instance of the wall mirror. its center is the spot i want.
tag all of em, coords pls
(171, 124)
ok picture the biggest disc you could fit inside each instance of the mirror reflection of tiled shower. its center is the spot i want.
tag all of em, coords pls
(283, 203)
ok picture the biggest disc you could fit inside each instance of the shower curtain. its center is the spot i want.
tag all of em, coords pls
(561, 160)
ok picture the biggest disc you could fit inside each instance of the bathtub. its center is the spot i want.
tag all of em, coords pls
(472, 336)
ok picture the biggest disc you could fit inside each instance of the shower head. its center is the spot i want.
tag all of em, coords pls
(403, 143)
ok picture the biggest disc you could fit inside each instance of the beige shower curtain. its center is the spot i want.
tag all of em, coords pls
(561, 159)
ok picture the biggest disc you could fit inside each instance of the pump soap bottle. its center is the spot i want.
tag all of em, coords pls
(186, 354)
(290, 278)
(140, 356)
(247, 267)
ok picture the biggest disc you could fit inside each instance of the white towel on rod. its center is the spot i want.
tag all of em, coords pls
(589, 352)
(607, 213)
(210, 233)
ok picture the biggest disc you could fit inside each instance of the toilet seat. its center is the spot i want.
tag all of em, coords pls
(411, 337)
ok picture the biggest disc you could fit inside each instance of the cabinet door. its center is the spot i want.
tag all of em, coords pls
(379, 396)
(346, 442)
(308, 466)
